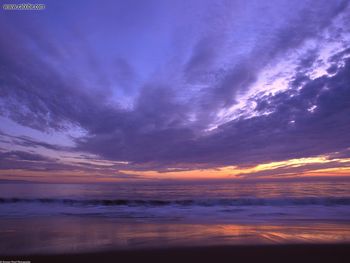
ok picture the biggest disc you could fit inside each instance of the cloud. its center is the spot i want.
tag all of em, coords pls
(47, 85)
(290, 131)
(21, 162)
(28, 142)
(14, 160)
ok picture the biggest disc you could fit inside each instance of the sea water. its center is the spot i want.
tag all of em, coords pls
(63, 218)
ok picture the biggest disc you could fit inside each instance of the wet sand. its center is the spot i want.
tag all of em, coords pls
(76, 239)
(76, 235)
(261, 253)
(73, 235)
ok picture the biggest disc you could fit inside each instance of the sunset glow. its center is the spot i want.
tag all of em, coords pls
(175, 131)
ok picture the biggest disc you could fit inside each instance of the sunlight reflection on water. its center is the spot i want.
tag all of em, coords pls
(67, 235)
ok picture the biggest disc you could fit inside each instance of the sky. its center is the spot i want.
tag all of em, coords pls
(196, 89)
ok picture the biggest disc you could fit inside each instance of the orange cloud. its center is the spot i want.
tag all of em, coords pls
(302, 167)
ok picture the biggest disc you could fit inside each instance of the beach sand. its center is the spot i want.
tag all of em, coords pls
(261, 253)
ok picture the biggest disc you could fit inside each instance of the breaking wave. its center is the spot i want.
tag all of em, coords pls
(327, 201)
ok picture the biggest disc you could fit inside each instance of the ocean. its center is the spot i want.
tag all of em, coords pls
(65, 218)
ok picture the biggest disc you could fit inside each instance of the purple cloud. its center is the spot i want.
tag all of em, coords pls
(147, 82)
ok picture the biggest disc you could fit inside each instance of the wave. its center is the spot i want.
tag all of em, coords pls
(326, 201)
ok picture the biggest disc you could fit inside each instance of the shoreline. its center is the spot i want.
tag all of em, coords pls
(235, 253)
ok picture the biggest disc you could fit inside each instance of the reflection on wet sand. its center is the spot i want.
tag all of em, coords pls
(74, 234)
